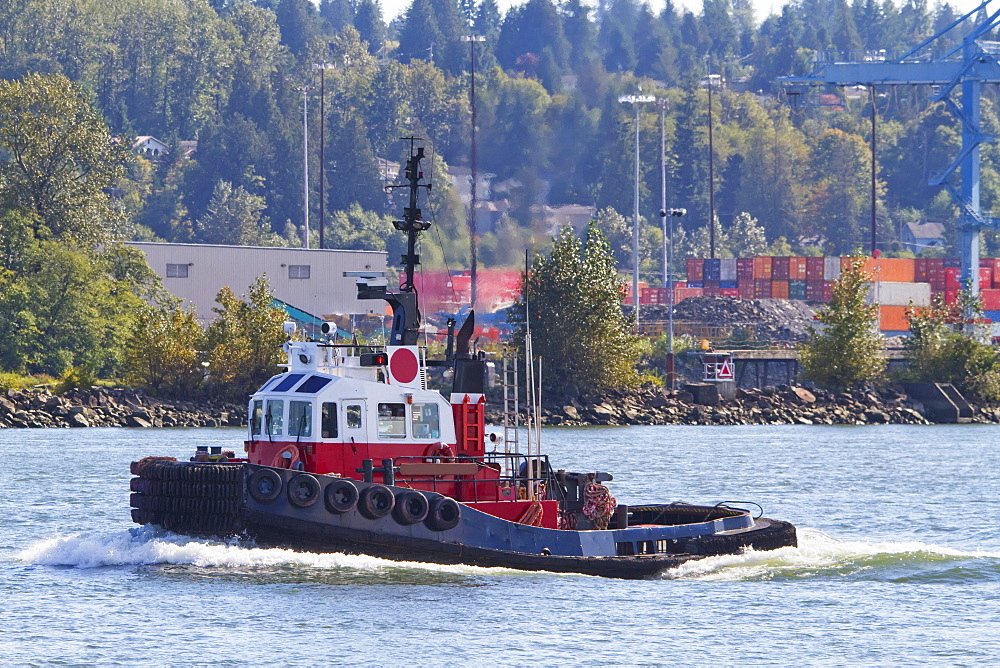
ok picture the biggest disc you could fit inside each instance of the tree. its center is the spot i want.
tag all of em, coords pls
(162, 353)
(746, 237)
(848, 350)
(244, 342)
(234, 217)
(936, 353)
(577, 325)
(58, 159)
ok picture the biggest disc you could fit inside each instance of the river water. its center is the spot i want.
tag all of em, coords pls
(898, 562)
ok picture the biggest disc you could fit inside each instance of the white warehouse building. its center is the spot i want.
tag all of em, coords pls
(311, 280)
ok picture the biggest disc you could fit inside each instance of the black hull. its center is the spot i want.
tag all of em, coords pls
(227, 499)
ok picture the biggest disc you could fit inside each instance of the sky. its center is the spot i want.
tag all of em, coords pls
(762, 8)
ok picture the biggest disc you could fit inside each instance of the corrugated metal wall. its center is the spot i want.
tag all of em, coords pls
(210, 268)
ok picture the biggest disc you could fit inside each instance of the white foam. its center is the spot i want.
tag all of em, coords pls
(146, 546)
(816, 551)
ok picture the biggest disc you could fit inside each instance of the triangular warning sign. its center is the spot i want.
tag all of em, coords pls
(725, 371)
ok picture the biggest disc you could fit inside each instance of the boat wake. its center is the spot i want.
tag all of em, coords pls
(151, 546)
(819, 555)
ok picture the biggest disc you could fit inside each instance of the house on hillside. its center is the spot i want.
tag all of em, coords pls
(920, 236)
(150, 146)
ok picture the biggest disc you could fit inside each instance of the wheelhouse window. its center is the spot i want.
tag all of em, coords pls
(273, 417)
(353, 416)
(392, 420)
(425, 421)
(257, 416)
(177, 271)
(313, 384)
(299, 270)
(300, 418)
(289, 381)
(328, 425)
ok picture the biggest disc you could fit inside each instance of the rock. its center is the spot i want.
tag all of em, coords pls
(804, 395)
(571, 412)
(77, 420)
(135, 421)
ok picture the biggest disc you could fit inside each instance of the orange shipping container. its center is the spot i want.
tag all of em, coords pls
(779, 289)
(797, 268)
(892, 269)
(680, 294)
(762, 267)
(893, 319)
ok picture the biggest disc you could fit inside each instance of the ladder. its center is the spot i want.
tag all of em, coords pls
(510, 401)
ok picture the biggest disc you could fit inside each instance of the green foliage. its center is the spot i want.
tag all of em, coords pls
(244, 342)
(848, 350)
(163, 352)
(936, 353)
(577, 325)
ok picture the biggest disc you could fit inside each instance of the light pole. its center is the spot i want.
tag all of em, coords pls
(664, 214)
(322, 67)
(711, 79)
(473, 164)
(636, 100)
(305, 90)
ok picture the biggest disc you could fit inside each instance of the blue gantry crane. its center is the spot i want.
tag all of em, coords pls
(959, 72)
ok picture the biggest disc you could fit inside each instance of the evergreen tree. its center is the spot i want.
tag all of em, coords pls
(848, 350)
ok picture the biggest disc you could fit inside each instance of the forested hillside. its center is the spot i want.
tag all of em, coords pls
(229, 76)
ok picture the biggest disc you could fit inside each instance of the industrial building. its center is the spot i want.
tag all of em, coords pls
(308, 280)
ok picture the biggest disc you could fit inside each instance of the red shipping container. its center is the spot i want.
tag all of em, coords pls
(712, 288)
(951, 296)
(779, 289)
(779, 268)
(762, 288)
(680, 293)
(996, 271)
(827, 291)
(991, 299)
(936, 278)
(814, 268)
(729, 292)
(920, 270)
(695, 270)
(986, 277)
(952, 276)
(814, 291)
(744, 268)
(796, 268)
(762, 267)
(935, 263)
(746, 290)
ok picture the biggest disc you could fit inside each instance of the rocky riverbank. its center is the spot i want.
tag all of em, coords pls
(110, 407)
(783, 404)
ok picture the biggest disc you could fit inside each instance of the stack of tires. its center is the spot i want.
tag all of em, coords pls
(185, 497)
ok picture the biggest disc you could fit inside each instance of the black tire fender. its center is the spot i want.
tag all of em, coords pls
(303, 490)
(376, 501)
(340, 496)
(411, 507)
(264, 485)
(444, 514)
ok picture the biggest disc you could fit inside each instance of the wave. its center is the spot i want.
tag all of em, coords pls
(149, 546)
(820, 555)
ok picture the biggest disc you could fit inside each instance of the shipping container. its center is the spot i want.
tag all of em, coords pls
(744, 269)
(952, 262)
(814, 291)
(746, 289)
(696, 284)
(680, 294)
(950, 296)
(712, 288)
(815, 268)
(729, 292)
(937, 279)
(992, 315)
(831, 268)
(762, 267)
(893, 319)
(779, 289)
(797, 290)
(713, 269)
(779, 268)
(762, 288)
(728, 284)
(920, 269)
(991, 299)
(695, 270)
(899, 294)
(727, 269)
(893, 269)
(797, 268)
(827, 291)
(952, 277)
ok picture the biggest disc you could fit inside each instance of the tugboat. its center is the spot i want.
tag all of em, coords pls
(348, 451)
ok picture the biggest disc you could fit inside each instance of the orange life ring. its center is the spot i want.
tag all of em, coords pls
(439, 451)
(281, 462)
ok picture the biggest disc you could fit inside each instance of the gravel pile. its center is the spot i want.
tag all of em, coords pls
(774, 319)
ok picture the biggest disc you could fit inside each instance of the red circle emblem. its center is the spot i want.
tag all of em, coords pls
(403, 366)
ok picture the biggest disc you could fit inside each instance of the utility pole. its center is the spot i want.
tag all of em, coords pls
(636, 100)
(473, 164)
(711, 166)
(322, 67)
